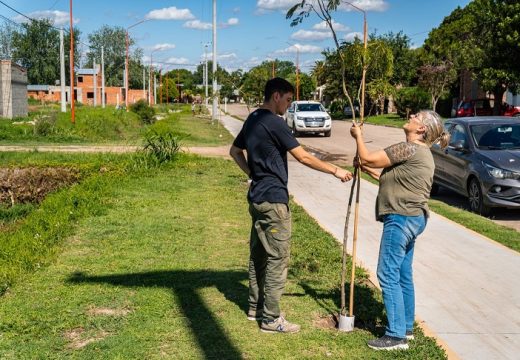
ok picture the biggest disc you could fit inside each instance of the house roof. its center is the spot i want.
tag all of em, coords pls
(85, 72)
(38, 87)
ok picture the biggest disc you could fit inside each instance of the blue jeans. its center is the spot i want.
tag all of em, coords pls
(394, 270)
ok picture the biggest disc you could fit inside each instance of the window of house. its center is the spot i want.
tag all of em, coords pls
(90, 95)
(80, 79)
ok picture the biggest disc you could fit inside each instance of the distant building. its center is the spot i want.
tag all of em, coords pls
(13, 90)
(84, 91)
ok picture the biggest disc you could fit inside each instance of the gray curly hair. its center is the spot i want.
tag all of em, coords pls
(435, 132)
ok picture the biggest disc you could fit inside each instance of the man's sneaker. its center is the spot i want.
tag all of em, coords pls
(388, 343)
(279, 325)
(254, 315)
(409, 335)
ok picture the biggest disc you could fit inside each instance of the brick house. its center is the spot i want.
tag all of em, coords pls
(84, 90)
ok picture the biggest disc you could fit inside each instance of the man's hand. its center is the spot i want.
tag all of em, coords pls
(342, 174)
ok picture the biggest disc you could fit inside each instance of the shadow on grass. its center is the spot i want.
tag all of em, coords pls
(210, 335)
(369, 312)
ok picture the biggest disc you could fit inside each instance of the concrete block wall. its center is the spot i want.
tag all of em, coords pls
(13, 90)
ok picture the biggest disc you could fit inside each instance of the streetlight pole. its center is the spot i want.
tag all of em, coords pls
(72, 110)
(206, 72)
(215, 95)
(297, 72)
(364, 72)
(126, 61)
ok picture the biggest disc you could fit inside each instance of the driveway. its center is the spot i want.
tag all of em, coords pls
(466, 285)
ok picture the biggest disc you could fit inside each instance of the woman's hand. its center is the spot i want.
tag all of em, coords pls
(355, 130)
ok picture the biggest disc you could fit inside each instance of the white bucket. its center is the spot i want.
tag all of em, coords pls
(346, 323)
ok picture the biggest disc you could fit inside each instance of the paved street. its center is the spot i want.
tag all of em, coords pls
(465, 283)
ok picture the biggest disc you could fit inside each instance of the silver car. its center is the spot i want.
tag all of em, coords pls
(481, 162)
(308, 117)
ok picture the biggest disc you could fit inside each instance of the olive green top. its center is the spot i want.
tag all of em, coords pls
(404, 187)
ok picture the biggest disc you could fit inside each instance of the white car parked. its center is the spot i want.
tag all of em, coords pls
(308, 117)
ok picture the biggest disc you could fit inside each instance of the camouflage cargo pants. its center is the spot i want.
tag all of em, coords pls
(270, 244)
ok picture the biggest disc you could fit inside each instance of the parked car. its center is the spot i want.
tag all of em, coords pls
(308, 117)
(481, 162)
(510, 110)
(347, 110)
(478, 107)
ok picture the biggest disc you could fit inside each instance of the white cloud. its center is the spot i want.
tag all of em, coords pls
(232, 21)
(352, 35)
(197, 24)
(177, 61)
(58, 18)
(322, 26)
(306, 35)
(171, 13)
(367, 5)
(267, 6)
(162, 47)
(293, 49)
(227, 57)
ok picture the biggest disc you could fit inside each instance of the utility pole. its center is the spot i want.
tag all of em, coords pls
(215, 96)
(95, 81)
(62, 73)
(273, 68)
(297, 73)
(72, 112)
(160, 86)
(150, 85)
(154, 89)
(144, 82)
(126, 72)
(102, 77)
(206, 71)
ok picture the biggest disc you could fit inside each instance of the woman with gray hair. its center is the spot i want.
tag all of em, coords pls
(402, 206)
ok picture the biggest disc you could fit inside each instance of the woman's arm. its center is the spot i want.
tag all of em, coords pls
(375, 159)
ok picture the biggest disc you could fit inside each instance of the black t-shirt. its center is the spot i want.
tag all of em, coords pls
(267, 138)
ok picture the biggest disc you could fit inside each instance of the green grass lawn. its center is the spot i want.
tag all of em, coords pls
(392, 120)
(108, 126)
(159, 271)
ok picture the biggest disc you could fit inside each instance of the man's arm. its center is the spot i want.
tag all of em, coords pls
(238, 155)
(313, 162)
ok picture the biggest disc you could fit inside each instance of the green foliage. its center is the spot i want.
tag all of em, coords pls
(10, 214)
(159, 147)
(336, 109)
(113, 41)
(410, 100)
(36, 47)
(45, 125)
(146, 112)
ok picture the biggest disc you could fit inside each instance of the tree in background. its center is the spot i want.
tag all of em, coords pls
(405, 61)
(483, 38)
(113, 41)
(253, 86)
(168, 91)
(436, 78)
(36, 46)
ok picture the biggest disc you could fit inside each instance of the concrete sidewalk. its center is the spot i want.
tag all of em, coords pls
(466, 284)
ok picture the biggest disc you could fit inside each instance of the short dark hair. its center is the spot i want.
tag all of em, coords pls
(278, 85)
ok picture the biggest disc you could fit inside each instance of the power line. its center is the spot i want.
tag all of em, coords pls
(27, 17)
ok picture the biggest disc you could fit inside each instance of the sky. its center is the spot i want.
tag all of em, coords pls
(178, 33)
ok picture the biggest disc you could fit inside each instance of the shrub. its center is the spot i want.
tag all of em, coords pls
(146, 113)
(410, 100)
(158, 148)
(44, 125)
(336, 109)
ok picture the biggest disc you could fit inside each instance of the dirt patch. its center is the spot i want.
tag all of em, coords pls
(329, 322)
(108, 312)
(78, 338)
(31, 185)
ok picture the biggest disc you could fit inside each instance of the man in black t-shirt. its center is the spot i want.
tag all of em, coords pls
(267, 139)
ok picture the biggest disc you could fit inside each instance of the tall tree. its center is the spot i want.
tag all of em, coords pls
(113, 41)
(436, 78)
(482, 37)
(405, 60)
(36, 46)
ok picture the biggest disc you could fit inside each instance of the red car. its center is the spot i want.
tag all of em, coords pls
(478, 107)
(510, 110)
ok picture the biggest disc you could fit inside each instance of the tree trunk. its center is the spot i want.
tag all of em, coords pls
(498, 94)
